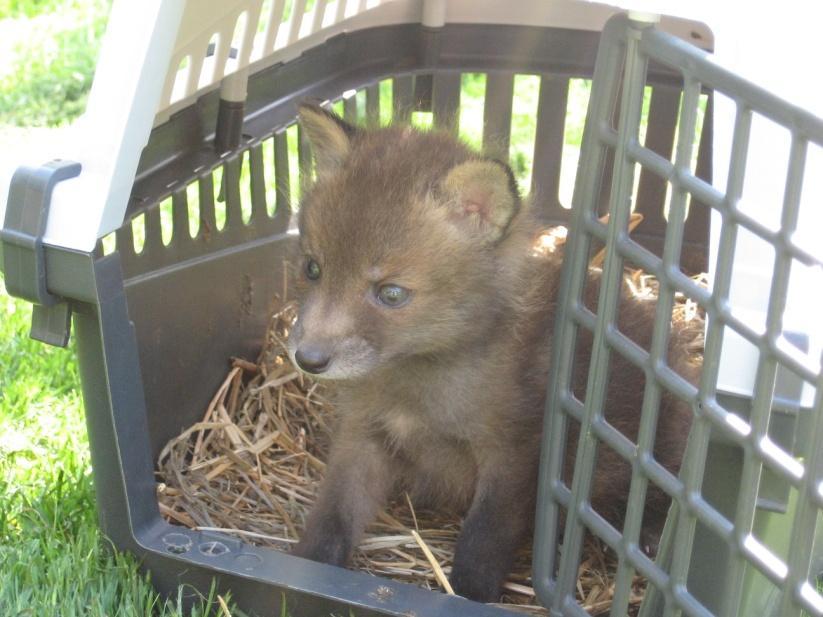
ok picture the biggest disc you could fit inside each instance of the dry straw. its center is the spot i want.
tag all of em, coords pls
(252, 466)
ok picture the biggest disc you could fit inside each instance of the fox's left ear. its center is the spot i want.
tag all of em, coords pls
(482, 197)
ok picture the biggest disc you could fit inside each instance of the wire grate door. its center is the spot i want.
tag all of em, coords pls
(627, 50)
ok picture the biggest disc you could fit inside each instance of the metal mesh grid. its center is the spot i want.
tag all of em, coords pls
(626, 50)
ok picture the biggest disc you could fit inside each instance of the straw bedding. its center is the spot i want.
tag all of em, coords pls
(252, 466)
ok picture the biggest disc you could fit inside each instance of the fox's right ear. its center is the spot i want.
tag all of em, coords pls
(329, 135)
(482, 198)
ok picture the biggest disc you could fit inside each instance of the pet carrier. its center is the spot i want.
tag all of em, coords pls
(191, 117)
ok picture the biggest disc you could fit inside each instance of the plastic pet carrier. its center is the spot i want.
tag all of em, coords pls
(191, 117)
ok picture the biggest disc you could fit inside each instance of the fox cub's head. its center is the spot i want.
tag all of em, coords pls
(403, 240)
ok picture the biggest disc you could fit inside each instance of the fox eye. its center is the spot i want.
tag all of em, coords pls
(393, 295)
(312, 269)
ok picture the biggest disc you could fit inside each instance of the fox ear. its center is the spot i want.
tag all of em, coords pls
(482, 197)
(329, 135)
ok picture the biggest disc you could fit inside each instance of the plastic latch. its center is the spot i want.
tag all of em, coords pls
(24, 260)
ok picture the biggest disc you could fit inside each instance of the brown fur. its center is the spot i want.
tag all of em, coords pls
(443, 396)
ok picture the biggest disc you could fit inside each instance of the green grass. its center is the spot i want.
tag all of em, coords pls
(26, 8)
(49, 50)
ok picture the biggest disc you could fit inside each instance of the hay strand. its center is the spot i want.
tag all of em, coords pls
(438, 571)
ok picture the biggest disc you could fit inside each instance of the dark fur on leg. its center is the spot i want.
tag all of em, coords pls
(494, 529)
(330, 541)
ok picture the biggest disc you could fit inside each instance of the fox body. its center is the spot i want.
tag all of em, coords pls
(422, 301)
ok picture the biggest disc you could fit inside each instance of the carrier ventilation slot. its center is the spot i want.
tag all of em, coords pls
(532, 122)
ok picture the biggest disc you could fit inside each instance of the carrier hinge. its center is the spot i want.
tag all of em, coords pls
(24, 259)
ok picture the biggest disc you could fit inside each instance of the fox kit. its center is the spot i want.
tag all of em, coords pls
(424, 304)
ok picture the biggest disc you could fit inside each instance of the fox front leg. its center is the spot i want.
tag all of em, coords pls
(497, 524)
(356, 486)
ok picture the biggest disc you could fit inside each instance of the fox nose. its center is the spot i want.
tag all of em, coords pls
(312, 359)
